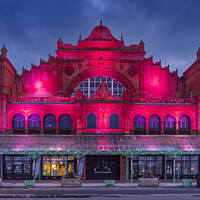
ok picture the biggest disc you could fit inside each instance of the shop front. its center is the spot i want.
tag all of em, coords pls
(117, 157)
(17, 167)
(55, 166)
(102, 167)
(155, 165)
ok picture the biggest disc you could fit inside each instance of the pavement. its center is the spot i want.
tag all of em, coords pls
(49, 184)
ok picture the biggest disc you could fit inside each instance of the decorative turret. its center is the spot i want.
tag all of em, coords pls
(101, 22)
(59, 44)
(141, 45)
(198, 54)
(4, 51)
(121, 37)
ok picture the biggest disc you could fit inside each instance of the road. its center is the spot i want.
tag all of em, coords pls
(102, 193)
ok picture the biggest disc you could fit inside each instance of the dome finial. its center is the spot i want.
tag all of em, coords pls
(79, 36)
(121, 37)
(101, 21)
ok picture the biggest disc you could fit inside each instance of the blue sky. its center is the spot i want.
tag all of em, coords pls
(170, 28)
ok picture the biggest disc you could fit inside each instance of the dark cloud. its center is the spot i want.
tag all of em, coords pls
(170, 29)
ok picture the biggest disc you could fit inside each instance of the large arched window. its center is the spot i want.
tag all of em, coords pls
(90, 86)
(65, 122)
(139, 122)
(34, 122)
(114, 121)
(154, 122)
(49, 121)
(169, 122)
(184, 122)
(91, 121)
(18, 121)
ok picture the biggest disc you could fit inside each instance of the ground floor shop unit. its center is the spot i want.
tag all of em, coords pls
(99, 157)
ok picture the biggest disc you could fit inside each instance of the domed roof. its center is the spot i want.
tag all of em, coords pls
(101, 33)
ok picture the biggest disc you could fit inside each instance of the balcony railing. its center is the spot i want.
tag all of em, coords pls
(169, 132)
(73, 99)
(72, 132)
(154, 132)
(18, 131)
(164, 100)
(41, 99)
(139, 132)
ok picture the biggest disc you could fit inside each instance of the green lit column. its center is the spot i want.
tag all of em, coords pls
(131, 169)
(174, 169)
(1, 167)
(40, 170)
(165, 167)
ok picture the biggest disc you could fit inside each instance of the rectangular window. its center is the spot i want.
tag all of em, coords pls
(190, 93)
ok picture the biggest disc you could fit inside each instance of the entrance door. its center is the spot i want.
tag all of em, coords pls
(169, 169)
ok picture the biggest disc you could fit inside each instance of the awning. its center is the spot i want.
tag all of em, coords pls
(80, 145)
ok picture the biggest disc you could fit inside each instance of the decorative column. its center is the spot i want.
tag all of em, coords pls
(1, 167)
(131, 170)
(165, 167)
(174, 169)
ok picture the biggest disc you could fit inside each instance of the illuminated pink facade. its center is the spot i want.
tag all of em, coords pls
(155, 102)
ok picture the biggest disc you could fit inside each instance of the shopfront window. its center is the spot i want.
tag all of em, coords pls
(17, 167)
(57, 165)
(188, 165)
(151, 164)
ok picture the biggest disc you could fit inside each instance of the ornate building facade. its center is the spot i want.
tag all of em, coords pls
(101, 109)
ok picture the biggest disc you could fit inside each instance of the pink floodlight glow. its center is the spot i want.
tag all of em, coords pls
(38, 85)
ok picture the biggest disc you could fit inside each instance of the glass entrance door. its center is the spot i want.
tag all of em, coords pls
(169, 169)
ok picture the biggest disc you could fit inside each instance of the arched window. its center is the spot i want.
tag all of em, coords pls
(49, 121)
(184, 122)
(90, 86)
(169, 122)
(34, 122)
(154, 122)
(139, 122)
(91, 121)
(18, 121)
(65, 122)
(114, 121)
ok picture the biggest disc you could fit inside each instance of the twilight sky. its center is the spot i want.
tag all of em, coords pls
(170, 28)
